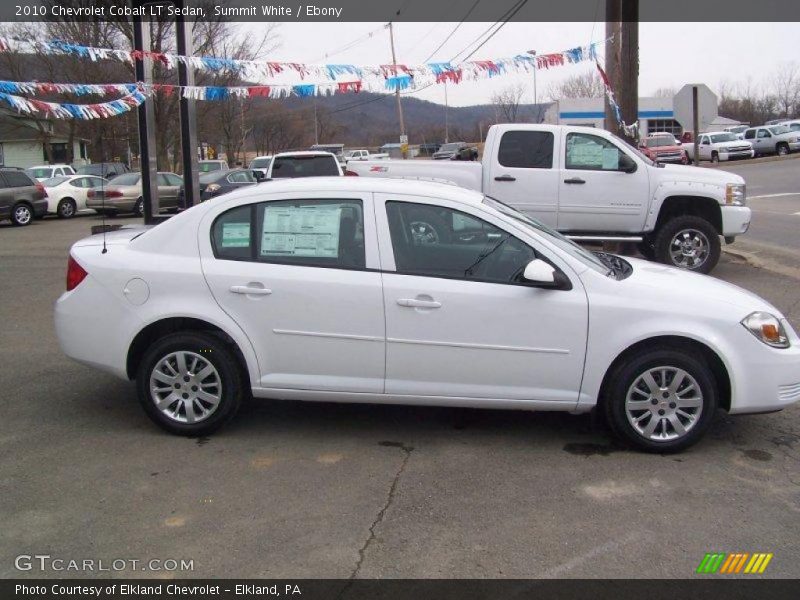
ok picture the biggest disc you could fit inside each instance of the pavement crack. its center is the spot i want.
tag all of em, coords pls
(407, 450)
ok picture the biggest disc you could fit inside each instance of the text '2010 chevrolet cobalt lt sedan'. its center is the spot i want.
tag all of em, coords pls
(393, 291)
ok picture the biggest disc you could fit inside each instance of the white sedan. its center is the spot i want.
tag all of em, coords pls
(66, 195)
(395, 291)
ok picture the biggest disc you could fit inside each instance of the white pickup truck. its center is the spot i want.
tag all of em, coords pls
(719, 146)
(593, 186)
(363, 155)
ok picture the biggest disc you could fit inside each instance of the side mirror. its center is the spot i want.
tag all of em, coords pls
(626, 164)
(540, 274)
(259, 175)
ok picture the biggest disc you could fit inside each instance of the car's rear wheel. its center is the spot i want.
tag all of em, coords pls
(66, 208)
(714, 157)
(782, 149)
(689, 243)
(21, 214)
(190, 383)
(662, 400)
(138, 208)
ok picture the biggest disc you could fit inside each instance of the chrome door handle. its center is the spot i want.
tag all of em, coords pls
(414, 303)
(252, 291)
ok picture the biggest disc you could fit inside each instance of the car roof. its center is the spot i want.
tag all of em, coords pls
(378, 185)
(306, 153)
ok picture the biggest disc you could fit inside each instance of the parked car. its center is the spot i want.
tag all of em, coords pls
(21, 198)
(303, 164)
(793, 125)
(106, 170)
(43, 172)
(67, 195)
(775, 139)
(663, 147)
(124, 194)
(218, 183)
(496, 311)
(209, 166)
(721, 146)
(593, 186)
(363, 155)
(449, 151)
(260, 166)
(738, 130)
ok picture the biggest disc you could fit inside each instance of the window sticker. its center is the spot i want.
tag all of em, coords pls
(585, 154)
(310, 231)
(235, 235)
(610, 159)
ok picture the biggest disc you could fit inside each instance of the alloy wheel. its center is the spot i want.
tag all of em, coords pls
(185, 387)
(23, 215)
(67, 209)
(664, 403)
(689, 249)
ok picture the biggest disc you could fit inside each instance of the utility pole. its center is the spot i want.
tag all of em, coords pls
(316, 128)
(397, 90)
(622, 62)
(446, 117)
(535, 95)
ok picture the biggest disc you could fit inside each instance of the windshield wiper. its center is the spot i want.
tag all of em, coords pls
(468, 270)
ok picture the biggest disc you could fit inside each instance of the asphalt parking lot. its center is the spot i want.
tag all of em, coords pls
(324, 490)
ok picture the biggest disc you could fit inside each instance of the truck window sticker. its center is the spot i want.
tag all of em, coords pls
(235, 235)
(303, 231)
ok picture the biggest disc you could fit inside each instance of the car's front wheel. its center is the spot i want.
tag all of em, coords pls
(688, 242)
(190, 383)
(782, 149)
(661, 400)
(138, 208)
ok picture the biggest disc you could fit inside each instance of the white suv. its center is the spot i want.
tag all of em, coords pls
(773, 139)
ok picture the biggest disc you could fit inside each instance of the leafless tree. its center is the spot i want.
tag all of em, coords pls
(585, 85)
(785, 85)
(665, 92)
(507, 102)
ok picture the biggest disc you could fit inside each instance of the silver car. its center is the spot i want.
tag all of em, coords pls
(773, 139)
(123, 194)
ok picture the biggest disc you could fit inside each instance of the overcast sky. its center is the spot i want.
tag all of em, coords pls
(671, 54)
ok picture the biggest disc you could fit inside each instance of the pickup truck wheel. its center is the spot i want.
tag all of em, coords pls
(715, 157)
(663, 400)
(782, 149)
(688, 242)
(189, 383)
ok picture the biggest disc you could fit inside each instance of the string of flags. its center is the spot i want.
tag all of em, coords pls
(631, 131)
(84, 112)
(388, 77)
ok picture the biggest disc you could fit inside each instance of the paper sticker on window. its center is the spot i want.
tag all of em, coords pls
(585, 154)
(310, 231)
(235, 235)
(610, 159)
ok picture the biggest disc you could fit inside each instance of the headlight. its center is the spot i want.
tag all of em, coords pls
(767, 328)
(213, 187)
(735, 194)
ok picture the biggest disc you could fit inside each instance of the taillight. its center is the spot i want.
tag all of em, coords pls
(113, 194)
(90, 194)
(75, 274)
(349, 173)
(42, 189)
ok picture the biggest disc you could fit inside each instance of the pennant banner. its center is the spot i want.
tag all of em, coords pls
(83, 112)
(631, 131)
(377, 76)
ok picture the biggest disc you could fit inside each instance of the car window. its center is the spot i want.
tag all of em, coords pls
(260, 163)
(592, 153)
(207, 167)
(436, 241)
(304, 166)
(241, 177)
(763, 133)
(173, 179)
(17, 179)
(54, 181)
(526, 150)
(127, 179)
(40, 172)
(314, 233)
(750, 134)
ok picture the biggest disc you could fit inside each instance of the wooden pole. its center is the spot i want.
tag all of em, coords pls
(612, 56)
(397, 88)
(629, 65)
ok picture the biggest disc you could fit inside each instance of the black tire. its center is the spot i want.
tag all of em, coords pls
(66, 208)
(428, 226)
(22, 214)
(138, 208)
(646, 249)
(213, 351)
(715, 157)
(782, 149)
(699, 231)
(627, 374)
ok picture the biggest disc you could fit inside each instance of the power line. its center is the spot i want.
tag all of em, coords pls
(460, 23)
(508, 15)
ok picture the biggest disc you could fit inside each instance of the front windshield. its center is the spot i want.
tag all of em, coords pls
(779, 129)
(737, 129)
(448, 147)
(127, 179)
(723, 137)
(567, 245)
(260, 163)
(661, 140)
(54, 181)
(40, 172)
(207, 167)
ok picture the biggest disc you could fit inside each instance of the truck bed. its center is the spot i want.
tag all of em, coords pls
(465, 174)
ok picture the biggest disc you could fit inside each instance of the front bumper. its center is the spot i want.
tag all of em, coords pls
(737, 154)
(735, 220)
(794, 146)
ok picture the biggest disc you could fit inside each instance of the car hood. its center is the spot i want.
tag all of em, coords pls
(686, 173)
(733, 144)
(663, 149)
(677, 287)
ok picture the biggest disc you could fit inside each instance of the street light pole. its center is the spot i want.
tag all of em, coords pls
(397, 87)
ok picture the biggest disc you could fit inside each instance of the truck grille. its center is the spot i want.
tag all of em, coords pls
(789, 393)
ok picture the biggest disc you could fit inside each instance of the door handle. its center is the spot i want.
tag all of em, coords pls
(505, 178)
(414, 303)
(251, 291)
(575, 180)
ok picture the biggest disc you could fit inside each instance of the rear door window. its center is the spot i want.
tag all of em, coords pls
(526, 150)
(304, 166)
(17, 179)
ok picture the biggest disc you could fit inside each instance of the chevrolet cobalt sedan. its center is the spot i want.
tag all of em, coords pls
(407, 292)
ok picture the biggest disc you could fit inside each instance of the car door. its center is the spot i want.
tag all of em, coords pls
(459, 321)
(79, 187)
(522, 173)
(764, 141)
(300, 276)
(168, 187)
(6, 198)
(705, 148)
(595, 193)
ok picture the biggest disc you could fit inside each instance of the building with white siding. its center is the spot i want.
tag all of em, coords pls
(23, 139)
